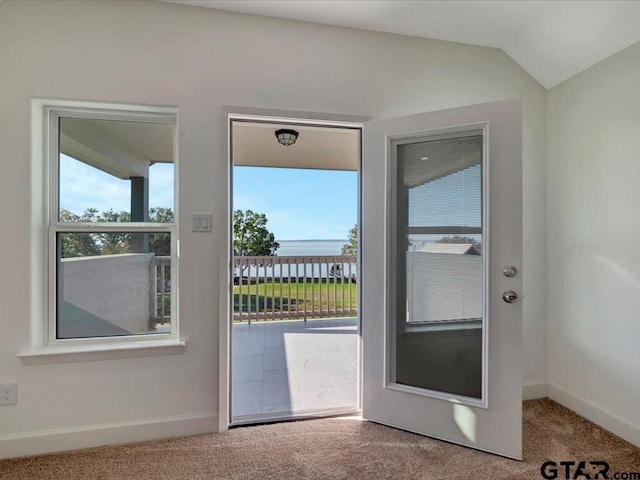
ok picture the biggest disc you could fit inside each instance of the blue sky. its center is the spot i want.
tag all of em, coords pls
(299, 204)
(82, 187)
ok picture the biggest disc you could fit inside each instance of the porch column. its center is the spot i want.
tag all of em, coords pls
(140, 211)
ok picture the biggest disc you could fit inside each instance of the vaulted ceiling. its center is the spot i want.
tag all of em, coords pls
(552, 40)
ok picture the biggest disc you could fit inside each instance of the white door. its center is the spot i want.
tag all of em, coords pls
(441, 278)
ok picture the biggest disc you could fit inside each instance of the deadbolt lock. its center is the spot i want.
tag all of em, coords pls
(509, 271)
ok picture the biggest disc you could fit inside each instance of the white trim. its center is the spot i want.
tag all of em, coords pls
(44, 346)
(608, 420)
(61, 352)
(487, 278)
(227, 114)
(306, 122)
(391, 261)
(226, 284)
(292, 116)
(58, 440)
(140, 227)
(49, 441)
(101, 107)
(444, 396)
(38, 226)
(531, 391)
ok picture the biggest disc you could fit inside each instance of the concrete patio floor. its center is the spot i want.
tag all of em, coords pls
(292, 368)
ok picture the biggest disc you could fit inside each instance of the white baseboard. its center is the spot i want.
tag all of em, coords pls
(49, 441)
(532, 391)
(598, 415)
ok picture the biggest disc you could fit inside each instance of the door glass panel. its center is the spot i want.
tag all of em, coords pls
(438, 256)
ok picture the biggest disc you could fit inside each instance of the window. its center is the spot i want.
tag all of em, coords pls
(440, 258)
(439, 263)
(111, 223)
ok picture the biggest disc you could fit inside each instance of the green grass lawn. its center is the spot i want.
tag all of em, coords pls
(296, 297)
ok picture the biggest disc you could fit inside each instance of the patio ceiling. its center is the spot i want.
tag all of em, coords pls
(123, 149)
(322, 148)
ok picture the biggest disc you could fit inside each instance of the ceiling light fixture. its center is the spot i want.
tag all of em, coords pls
(286, 137)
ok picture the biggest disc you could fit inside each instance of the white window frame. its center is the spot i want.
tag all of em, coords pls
(45, 347)
(481, 129)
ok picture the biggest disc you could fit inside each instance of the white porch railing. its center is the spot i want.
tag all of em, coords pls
(161, 302)
(288, 287)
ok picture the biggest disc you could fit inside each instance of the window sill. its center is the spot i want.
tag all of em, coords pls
(94, 352)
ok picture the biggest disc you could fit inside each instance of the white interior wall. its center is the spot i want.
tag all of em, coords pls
(198, 59)
(593, 167)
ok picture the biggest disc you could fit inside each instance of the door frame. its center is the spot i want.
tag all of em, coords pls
(226, 114)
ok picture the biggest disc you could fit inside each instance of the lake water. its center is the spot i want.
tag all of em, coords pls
(310, 247)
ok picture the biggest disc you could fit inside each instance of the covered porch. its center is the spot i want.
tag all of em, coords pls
(290, 368)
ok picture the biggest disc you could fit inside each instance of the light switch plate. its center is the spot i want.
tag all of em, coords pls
(202, 222)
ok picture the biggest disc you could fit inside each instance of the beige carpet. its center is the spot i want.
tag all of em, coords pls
(337, 448)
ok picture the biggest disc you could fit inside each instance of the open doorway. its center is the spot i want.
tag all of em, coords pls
(295, 330)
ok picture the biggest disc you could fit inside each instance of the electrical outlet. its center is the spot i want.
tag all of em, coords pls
(8, 393)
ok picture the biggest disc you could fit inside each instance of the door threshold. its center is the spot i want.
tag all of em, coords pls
(265, 418)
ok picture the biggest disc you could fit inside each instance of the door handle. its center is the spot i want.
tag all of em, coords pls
(510, 296)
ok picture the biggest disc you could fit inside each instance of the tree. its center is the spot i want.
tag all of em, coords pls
(107, 243)
(161, 215)
(351, 248)
(160, 243)
(459, 239)
(251, 236)
(78, 244)
(114, 243)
